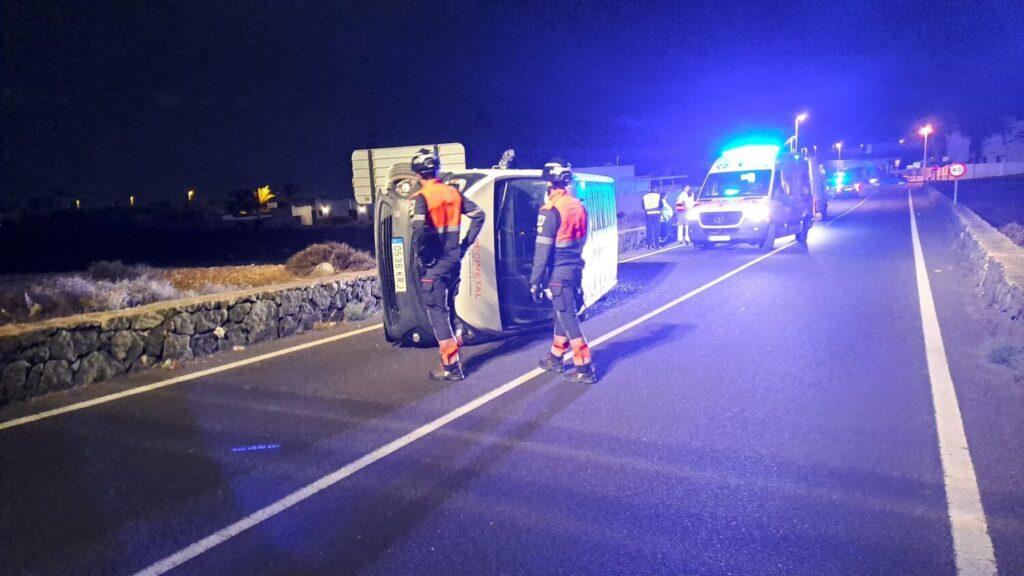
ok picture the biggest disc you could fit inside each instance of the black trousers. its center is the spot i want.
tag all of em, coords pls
(653, 222)
(566, 299)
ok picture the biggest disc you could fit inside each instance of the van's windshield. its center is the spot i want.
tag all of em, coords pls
(736, 184)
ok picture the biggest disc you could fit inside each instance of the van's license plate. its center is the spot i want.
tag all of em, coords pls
(398, 263)
(719, 238)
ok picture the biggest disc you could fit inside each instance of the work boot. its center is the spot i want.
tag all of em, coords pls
(452, 372)
(551, 363)
(584, 374)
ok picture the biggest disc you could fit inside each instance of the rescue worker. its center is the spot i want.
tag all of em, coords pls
(663, 221)
(652, 217)
(558, 264)
(436, 227)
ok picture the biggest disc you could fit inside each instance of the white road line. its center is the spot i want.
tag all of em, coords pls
(971, 543)
(179, 379)
(310, 490)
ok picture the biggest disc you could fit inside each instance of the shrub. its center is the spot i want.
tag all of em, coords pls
(1014, 232)
(342, 256)
(112, 271)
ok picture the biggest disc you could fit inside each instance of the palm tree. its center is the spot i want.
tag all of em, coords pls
(263, 196)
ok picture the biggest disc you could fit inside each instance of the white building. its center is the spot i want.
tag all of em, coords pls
(1005, 146)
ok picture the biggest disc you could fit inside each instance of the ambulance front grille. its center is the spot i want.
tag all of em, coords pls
(720, 219)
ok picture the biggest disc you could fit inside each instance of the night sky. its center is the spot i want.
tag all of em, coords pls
(104, 99)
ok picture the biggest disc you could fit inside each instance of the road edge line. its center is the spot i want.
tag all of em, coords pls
(972, 545)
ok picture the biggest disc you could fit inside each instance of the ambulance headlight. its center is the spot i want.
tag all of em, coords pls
(692, 215)
(757, 212)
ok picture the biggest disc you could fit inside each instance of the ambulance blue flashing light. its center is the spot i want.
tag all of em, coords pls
(731, 191)
(751, 151)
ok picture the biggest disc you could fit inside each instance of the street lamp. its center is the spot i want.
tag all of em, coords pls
(925, 131)
(839, 149)
(131, 200)
(796, 130)
(191, 195)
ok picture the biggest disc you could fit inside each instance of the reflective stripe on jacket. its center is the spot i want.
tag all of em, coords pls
(652, 203)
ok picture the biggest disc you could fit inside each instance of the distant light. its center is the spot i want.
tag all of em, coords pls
(78, 204)
(191, 195)
(131, 200)
(838, 145)
(901, 140)
(361, 209)
(325, 209)
(801, 117)
(926, 130)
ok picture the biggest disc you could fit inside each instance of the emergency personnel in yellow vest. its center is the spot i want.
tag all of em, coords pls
(652, 217)
(437, 215)
(558, 263)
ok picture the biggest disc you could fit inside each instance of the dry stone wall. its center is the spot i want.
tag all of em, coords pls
(997, 264)
(79, 350)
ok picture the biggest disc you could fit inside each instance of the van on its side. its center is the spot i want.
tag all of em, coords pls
(753, 194)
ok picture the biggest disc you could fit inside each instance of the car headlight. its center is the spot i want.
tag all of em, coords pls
(757, 212)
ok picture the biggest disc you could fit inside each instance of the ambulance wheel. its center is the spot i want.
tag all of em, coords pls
(805, 226)
(768, 243)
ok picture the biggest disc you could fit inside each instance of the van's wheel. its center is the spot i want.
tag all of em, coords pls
(768, 244)
(805, 226)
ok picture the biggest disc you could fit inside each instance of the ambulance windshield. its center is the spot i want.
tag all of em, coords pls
(739, 184)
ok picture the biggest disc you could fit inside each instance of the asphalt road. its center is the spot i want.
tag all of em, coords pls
(779, 421)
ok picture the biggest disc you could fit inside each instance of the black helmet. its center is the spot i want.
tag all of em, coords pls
(558, 172)
(425, 164)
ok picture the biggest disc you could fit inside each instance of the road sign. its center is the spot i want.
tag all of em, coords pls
(957, 170)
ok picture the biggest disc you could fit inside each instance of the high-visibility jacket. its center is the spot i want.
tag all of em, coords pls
(561, 234)
(652, 203)
(436, 223)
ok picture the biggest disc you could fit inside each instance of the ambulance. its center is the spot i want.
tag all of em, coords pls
(753, 194)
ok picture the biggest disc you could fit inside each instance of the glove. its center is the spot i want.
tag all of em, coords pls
(537, 293)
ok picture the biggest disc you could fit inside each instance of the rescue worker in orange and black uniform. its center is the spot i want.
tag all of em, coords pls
(436, 227)
(558, 264)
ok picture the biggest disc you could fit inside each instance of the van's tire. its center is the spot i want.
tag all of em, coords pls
(805, 226)
(768, 243)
